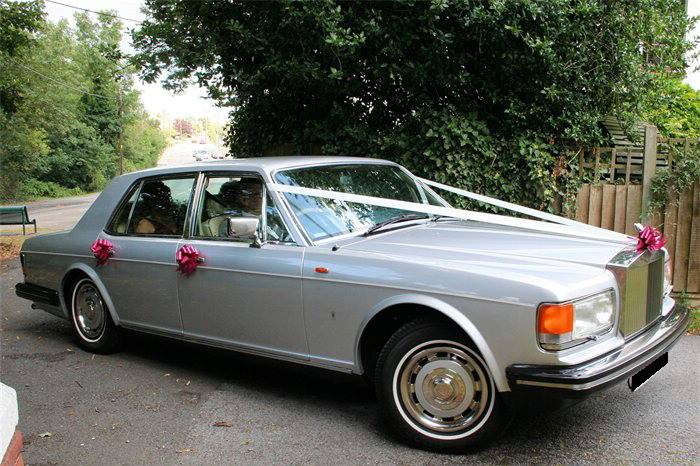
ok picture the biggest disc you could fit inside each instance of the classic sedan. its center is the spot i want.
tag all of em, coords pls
(455, 320)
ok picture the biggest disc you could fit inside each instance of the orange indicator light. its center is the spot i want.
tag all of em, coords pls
(555, 319)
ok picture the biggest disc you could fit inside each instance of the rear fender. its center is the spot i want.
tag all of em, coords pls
(90, 272)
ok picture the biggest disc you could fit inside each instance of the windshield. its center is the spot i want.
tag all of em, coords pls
(325, 218)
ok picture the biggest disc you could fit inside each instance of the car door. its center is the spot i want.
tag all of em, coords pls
(244, 295)
(141, 276)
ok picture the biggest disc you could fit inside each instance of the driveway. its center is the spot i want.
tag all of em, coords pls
(157, 401)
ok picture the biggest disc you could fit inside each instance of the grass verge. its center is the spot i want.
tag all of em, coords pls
(694, 327)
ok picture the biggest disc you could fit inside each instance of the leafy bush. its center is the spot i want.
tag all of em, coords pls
(667, 184)
(674, 107)
(33, 189)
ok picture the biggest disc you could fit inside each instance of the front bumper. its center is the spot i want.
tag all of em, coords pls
(616, 366)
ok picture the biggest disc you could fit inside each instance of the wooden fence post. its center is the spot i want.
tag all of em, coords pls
(649, 167)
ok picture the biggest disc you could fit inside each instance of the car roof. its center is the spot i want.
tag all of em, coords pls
(264, 164)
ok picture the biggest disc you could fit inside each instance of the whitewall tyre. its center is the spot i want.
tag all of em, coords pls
(94, 329)
(436, 392)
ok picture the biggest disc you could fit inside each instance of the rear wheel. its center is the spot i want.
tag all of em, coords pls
(436, 391)
(92, 322)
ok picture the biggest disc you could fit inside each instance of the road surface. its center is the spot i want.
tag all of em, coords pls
(182, 152)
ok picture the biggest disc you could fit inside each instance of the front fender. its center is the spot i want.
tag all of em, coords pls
(90, 272)
(450, 312)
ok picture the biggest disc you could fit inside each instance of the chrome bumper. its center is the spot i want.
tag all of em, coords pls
(608, 369)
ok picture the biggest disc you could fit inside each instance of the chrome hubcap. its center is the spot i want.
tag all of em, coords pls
(443, 388)
(89, 311)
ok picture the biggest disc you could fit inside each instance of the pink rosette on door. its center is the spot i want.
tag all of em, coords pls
(650, 239)
(102, 249)
(188, 258)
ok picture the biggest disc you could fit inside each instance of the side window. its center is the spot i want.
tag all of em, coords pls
(236, 197)
(161, 207)
(121, 219)
(276, 230)
(225, 197)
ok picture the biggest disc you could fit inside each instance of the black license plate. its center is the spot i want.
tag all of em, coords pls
(638, 379)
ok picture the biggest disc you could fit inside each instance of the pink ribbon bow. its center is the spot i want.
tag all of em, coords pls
(650, 239)
(102, 249)
(188, 258)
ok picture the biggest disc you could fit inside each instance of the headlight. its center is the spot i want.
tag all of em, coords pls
(564, 325)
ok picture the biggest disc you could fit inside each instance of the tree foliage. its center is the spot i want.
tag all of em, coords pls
(674, 107)
(470, 92)
(67, 93)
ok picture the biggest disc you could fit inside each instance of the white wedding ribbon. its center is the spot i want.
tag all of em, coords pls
(559, 225)
(508, 205)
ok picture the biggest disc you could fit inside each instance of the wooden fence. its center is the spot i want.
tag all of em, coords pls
(616, 192)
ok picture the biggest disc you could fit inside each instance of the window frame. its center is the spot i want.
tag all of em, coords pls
(135, 188)
(194, 209)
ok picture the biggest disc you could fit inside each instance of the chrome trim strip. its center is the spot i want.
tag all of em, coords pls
(58, 254)
(416, 290)
(249, 272)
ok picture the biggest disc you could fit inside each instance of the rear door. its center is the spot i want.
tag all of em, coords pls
(141, 276)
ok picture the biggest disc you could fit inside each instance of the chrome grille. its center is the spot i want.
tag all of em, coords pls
(640, 279)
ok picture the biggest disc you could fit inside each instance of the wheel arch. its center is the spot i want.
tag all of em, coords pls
(73, 273)
(419, 305)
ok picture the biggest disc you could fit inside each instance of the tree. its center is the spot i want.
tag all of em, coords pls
(67, 97)
(395, 79)
(183, 127)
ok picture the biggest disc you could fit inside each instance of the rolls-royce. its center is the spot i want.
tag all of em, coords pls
(456, 320)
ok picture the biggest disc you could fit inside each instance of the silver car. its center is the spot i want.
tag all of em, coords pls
(456, 323)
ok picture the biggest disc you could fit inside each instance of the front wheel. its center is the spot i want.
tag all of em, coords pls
(436, 392)
(93, 325)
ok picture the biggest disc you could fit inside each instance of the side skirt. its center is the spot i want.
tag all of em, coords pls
(339, 366)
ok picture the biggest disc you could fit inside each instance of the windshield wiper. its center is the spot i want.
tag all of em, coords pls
(397, 219)
(437, 218)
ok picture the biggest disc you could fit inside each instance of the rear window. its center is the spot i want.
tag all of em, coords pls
(120, 220)
(158, 207)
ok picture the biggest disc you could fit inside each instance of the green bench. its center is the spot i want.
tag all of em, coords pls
(16, 215)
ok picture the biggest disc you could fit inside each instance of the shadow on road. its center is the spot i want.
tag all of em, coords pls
(319, 388)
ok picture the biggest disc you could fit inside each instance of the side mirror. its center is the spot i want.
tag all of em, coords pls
(243, 229)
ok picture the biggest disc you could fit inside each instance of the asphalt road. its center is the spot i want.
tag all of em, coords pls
(157, 401)
(53, 214)
(181, 152)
